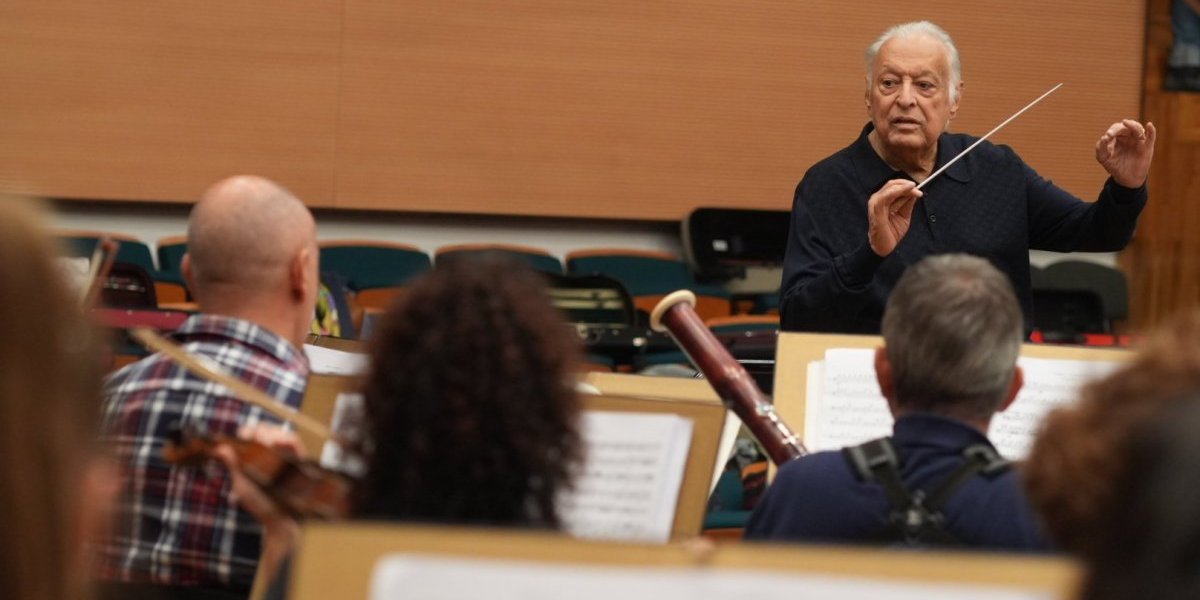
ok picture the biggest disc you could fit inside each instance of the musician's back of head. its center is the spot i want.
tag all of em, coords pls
(952, 330)
(471, 409)
(252, 254)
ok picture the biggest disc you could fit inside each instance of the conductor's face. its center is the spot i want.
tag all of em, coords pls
(908, 96)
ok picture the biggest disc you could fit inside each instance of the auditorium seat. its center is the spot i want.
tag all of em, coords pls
(649, 276)
(172, 290)
(538, 258)
(1108, 283)
(375, 271)
(169, 288)
(131, 250)
(739, 323)
(170, 252)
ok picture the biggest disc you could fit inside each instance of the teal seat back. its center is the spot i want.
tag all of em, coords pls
(170, 256)
(368, 267)
(539, 262)
(129, 251)
(644, 275)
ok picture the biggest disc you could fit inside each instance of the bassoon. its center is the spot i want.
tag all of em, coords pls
(676, 314)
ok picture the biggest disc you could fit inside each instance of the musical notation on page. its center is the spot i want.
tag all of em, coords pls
(847, 408)
(628, 486)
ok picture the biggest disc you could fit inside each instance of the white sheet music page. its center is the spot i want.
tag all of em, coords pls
(851, 410)
(628, 486)
(813, 400)
(1049, 383)
(452, 578)
(348, 418)
(328, 361)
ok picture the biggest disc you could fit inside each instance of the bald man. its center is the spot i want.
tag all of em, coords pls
(252, 267)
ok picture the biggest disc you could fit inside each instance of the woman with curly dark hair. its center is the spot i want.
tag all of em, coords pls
(1088, 468)
(470, 405)
(470, 408)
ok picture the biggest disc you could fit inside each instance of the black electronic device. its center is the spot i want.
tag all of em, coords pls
(721, 242)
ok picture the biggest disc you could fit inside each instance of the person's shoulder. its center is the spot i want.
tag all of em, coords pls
(837, 164)
(820, 466)
(133, 373)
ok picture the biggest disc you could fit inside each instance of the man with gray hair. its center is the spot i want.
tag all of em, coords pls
(858, 220)
(252, 267)
(952, 332)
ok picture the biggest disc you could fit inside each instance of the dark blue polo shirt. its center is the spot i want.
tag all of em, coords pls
(818, 498)
(989, 204)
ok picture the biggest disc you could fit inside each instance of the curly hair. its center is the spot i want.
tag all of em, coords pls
(1150, 548)
(470, 408)
(1081, 452)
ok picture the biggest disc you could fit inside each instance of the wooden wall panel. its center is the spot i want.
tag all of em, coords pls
(626, 109)
(1163, 262)
(637, 109)
(134, 100)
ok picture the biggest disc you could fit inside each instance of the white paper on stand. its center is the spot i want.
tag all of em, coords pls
(456, 578)
(850, 409)
(327, 361)
(628, 486)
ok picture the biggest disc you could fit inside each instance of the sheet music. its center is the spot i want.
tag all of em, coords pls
(729, 433)
(813, 399)
(1049, 383)
(452, 578)
(326, 361)
(628, 486)
(346, 423)
(851, 409)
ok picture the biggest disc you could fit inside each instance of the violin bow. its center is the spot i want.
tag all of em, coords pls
(100, 266)
(212, 372)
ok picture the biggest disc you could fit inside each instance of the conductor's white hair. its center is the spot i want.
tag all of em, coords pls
(917, 29)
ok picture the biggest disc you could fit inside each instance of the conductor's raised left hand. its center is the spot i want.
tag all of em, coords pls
(1125, 151)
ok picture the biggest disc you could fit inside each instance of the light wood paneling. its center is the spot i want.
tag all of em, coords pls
(647, 110)
(156, 100)
(565, 108)
(1163, 262)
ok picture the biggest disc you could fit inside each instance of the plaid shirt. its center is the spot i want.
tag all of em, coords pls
(178, 525)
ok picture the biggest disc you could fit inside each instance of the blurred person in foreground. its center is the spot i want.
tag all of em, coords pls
(1116, 477)
(55, 485)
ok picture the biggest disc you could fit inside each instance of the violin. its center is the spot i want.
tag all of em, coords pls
(302, 488)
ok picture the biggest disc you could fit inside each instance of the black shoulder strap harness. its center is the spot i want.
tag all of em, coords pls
(916, 516)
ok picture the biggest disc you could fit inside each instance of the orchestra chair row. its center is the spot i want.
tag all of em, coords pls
(378, 271)
(538, 259)
(168, 283)
(649, 276)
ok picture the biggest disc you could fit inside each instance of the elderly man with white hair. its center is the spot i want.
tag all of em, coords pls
(858, 222)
